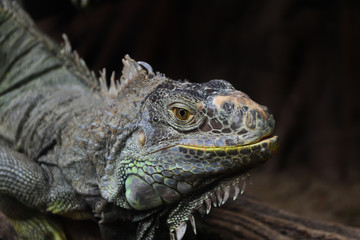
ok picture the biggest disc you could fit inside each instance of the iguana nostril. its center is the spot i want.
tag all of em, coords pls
(250, 119)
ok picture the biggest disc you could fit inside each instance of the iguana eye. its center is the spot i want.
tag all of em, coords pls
(181, 113)
(183, 116)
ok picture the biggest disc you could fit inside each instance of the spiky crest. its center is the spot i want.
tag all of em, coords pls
(137, 79)
(77, 65)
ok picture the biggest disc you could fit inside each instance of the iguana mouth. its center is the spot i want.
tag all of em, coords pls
(217, 192)
(270, 142)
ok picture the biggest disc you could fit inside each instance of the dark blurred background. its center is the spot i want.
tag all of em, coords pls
(298, 57)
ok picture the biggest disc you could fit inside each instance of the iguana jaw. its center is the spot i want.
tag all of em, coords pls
(219, 190)
(184, 170)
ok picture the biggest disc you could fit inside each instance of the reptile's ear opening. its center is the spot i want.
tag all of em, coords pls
(141, 137)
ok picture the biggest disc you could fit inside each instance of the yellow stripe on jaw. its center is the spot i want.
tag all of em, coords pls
(271, 142)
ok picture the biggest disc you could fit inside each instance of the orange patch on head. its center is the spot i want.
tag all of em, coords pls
(239, 99)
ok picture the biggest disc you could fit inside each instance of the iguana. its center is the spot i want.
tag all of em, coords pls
(145, 151)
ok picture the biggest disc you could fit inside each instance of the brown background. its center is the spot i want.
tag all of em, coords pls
(298, 57)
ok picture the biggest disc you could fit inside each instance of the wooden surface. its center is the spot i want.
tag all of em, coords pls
(245, 218)
(248, 218)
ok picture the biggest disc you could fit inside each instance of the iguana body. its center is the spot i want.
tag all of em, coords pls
(147, 150)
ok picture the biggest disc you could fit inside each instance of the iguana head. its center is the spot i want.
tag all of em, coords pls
(191, 136)
(194, 142)
(193, 145)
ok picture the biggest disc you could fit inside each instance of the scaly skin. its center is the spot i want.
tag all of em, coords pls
(147, 149)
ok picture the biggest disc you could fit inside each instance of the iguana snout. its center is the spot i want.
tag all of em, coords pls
(234, 119)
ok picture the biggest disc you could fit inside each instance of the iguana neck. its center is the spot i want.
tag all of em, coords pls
(96, 137)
